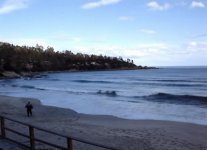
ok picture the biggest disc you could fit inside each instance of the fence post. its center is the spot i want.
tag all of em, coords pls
(70, 144)
(3, 134)
(31, 136)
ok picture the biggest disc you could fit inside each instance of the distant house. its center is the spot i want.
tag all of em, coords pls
(95, 63)
(29, 66)
(46, 63)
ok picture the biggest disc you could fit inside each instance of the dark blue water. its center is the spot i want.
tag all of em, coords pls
(165, 94)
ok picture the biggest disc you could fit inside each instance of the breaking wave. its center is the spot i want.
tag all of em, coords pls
(176, 99)
(158, 97)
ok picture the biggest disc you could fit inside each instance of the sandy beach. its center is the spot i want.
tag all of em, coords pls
(107, 130)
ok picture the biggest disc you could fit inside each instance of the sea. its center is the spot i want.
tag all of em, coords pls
(167, 93)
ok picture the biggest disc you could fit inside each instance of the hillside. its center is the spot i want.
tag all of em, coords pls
(22, 60)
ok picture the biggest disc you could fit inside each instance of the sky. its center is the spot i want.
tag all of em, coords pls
(151, 32)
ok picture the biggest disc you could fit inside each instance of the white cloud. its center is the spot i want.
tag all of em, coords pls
(126, 18)
(13, 5)
(153, 5)
(197, 46)
(113, 51)
(147, 31)
(138, 51)
(99, 3)
(197, 4)
(156, 54)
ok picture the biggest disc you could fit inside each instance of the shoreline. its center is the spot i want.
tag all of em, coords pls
(13, 75)
(124, 133)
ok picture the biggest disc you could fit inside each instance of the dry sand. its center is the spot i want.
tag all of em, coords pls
(107, 130)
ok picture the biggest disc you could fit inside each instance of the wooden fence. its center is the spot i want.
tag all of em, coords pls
(33, 139)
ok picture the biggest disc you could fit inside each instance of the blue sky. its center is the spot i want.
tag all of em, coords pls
(151, 32)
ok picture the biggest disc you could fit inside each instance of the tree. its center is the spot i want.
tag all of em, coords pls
(24, 58)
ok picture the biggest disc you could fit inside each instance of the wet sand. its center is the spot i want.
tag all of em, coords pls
(107, 130)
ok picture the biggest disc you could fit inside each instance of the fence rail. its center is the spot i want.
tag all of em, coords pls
(33, 139)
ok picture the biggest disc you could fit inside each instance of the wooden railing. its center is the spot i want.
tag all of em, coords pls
(33, 139)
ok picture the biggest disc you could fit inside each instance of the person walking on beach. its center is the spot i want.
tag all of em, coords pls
(29, 108)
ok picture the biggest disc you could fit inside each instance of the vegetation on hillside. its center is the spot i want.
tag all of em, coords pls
(37, 59)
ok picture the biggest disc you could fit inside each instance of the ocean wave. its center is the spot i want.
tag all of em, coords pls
(108, 93)
(185, 85)
(181, 81)
(92, 81)
(53, 79)
(171, 84)
(26, 86)
(169, 80)
(29, 87)
(176, 99)
(14, 85)
(51, 89)
(158, 97)
(165, 80)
